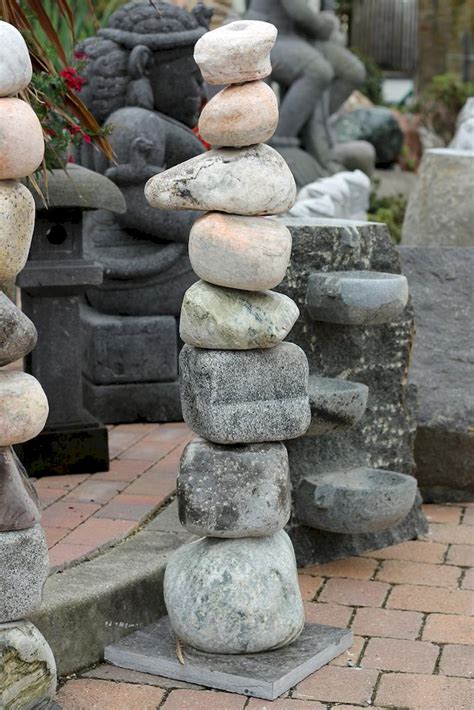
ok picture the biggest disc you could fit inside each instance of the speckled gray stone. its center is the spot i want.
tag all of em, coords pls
(229, 319)
(28, 670)
(336, 404)
(17, 219)
(356, 297)
(235, 596)
(24, 566)
(361, 500)
(231, 492)
(248, 396)
(262, 675)
(17, 333)
(250, 181)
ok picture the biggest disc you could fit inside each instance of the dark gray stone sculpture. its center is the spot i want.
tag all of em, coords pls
(143, 83)
(316, 74)
(440, 280)
(382, 439)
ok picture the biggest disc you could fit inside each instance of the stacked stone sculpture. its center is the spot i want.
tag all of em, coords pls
(27, 667)
(234, 591)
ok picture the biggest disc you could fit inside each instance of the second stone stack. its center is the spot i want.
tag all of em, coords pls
(243, 390)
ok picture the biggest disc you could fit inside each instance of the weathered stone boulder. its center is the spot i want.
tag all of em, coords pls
(440, 210)
(21, 140)
(19, 507)
(23, 408)
(378, 126)
(17, 333)
(15, 62)
(441, 283)
(235, 596)
(17, 219)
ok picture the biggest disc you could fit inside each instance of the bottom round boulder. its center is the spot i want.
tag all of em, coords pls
(235, 596)
(27, 667)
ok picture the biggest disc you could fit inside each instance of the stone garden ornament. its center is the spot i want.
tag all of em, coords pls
(232, 596)
(27, 667)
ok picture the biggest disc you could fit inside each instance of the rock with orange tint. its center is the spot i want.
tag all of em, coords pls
(21, 139)
(23, 408)
(248, 253)
(240, 115)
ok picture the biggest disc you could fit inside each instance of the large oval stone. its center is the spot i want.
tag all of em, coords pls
(234, 491)
(24, 566)
(28, 671)
(23, 408)
(240, 115)
(19, 500)
(17, 221)
(17, 333)
(235, 596)
(250, 181)
(15, 62)
(227, 319)
(245, 396)
(236, 53)
(21, 139)
(248, 253)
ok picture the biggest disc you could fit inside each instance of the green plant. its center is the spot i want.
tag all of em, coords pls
(440, 103)
(372, 87)
(388, 210)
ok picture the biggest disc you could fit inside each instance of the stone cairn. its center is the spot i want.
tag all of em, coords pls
(235, 589)
(27, 667)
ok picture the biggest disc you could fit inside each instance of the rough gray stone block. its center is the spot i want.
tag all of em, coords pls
(234, 492)
(235, 596)
(24, 568)
(441, 283)
(263, 675)
(336, 404)
(126, 349)
(356, 297)
(357, 501)
(245, 396)
(17, 333)
(28, 671)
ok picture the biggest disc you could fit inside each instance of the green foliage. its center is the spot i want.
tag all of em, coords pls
(372, 87)
(388, 210)
(441, 101)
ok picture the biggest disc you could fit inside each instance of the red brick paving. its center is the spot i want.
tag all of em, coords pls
(410, 606)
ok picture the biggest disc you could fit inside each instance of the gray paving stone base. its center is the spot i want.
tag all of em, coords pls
(262, 675)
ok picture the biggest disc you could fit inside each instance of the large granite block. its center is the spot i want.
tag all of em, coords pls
(234, 491)
(441, 282)
(124, 349)
(262, 675)
(245, 396)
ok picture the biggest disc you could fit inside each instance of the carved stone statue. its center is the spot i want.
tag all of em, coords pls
(316, 74)
(143, 83)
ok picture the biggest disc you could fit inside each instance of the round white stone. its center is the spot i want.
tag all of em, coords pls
(21, 139)
(237, 52)
(17, 221)
(226, 319)
(15, 62)
(250, 181)
(248, 253)
(23, 408)
(235, 596)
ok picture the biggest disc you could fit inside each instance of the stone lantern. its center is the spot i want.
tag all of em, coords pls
(53, 281)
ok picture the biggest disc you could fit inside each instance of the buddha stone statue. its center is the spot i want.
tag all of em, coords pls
(315, 74)
(143, 84)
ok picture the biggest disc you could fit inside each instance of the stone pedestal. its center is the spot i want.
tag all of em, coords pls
(52, 283)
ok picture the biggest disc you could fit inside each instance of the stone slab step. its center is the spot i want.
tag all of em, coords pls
(356, 297)
(336, 404)
(357, 501)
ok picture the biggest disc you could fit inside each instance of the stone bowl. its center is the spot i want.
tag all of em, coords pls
(355, 502)
(356, 297)
(336, 405)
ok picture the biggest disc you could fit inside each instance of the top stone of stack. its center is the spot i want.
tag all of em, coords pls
(236, 53)
(15, 62)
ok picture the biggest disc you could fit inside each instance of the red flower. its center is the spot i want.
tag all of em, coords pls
(73, 79)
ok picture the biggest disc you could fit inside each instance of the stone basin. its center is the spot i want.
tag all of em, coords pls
(356, 297)
(356, 501)
(336, 404)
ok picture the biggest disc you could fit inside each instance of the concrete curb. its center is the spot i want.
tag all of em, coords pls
(99, 601)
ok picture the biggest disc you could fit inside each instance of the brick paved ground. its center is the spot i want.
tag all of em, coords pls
(410, 606)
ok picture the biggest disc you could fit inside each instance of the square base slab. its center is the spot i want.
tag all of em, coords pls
(262, 675)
